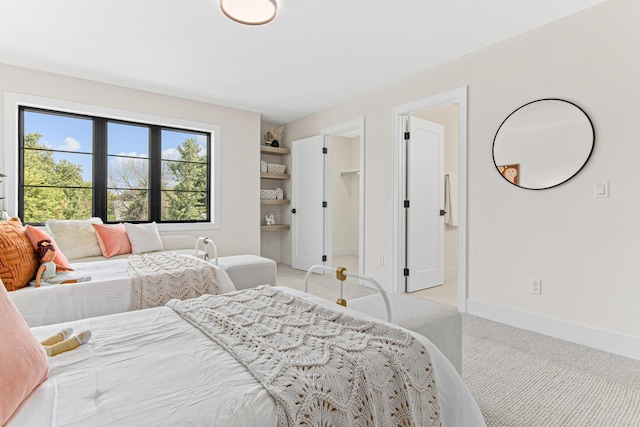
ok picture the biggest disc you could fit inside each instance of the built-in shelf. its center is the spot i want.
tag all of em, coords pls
(274, 201)
(275, 176)
(276, 151)
(350, 172)
(275, 227)
(275, 205)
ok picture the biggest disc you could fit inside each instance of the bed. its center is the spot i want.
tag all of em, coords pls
(151, 367)
(107, 292)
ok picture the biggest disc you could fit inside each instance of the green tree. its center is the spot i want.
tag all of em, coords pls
(46, 185)
(186, 200)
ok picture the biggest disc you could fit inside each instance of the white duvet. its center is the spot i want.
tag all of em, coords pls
(151, 368)
(108, 292)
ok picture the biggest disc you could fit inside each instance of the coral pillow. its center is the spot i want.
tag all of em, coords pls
(36, 235)
(113, 239)
(23, 361)
(18, 260)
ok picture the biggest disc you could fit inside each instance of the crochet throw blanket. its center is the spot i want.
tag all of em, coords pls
(158, 278)
(322, 367)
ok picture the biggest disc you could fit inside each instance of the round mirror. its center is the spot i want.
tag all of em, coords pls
(543, 144)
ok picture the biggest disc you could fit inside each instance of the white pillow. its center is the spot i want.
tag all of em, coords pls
(75, 238)
(144, 237)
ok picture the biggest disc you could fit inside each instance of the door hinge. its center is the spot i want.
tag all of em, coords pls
(406, 272)
(324, 258)
(407, 135)
(324, 204)
(443, 212)
(324, 150)
(406, 203)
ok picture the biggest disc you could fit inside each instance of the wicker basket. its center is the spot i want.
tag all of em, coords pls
(268, 194)
(276, 168)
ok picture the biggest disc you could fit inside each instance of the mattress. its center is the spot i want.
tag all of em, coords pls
(107, 292)
(150, 367)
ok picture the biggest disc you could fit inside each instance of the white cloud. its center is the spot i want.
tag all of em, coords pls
(170, 154)
(70, 144)
(133, 154)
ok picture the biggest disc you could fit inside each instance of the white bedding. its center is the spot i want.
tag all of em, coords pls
(151, 368)
(108, 292)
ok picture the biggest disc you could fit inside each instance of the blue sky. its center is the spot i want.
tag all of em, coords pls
(74, 135)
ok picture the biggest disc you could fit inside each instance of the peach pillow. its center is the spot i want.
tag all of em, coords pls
(23, 361)
(113, 239)
(18, 260)
(36, 235)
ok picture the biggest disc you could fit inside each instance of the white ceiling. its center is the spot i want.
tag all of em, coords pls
(317, 53)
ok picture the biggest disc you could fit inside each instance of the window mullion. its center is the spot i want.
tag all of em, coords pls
(100, 151)
(21, 162)
(155, 173)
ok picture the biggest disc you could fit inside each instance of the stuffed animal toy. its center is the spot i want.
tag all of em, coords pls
(62, 341)
(48, 269)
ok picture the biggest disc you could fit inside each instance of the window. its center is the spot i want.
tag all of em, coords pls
(73, 166)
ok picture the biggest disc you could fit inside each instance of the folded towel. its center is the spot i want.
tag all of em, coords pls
(451, 199)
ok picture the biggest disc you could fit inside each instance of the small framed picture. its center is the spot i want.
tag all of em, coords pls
(511, 173)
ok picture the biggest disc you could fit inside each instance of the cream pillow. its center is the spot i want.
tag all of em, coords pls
(144, 237)
(76, 238)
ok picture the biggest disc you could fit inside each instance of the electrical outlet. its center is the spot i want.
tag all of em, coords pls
(381, 259)
(535, 286)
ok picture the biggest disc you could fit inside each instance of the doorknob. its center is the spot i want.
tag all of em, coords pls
(293, 211)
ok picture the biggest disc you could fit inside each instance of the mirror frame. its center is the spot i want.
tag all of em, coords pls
(593, 142)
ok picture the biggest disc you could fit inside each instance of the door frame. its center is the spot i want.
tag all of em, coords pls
(327, 133)
(455, 96)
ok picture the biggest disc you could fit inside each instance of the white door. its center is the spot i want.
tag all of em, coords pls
(308, 214)
(425, 194)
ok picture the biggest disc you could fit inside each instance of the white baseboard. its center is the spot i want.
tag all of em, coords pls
(623, 345)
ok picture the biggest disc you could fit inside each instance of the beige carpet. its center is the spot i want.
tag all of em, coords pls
(546, 387)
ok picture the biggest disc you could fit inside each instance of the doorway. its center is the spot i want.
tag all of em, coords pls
(437, 108)
(345, 200)
(328, 189)
(346, 190)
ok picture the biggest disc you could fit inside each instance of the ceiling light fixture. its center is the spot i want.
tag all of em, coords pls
(250, 12)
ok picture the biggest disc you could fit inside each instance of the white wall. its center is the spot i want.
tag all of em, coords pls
(240, 170)
(584, 249)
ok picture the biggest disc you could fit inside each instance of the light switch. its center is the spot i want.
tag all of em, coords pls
(601, 190)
